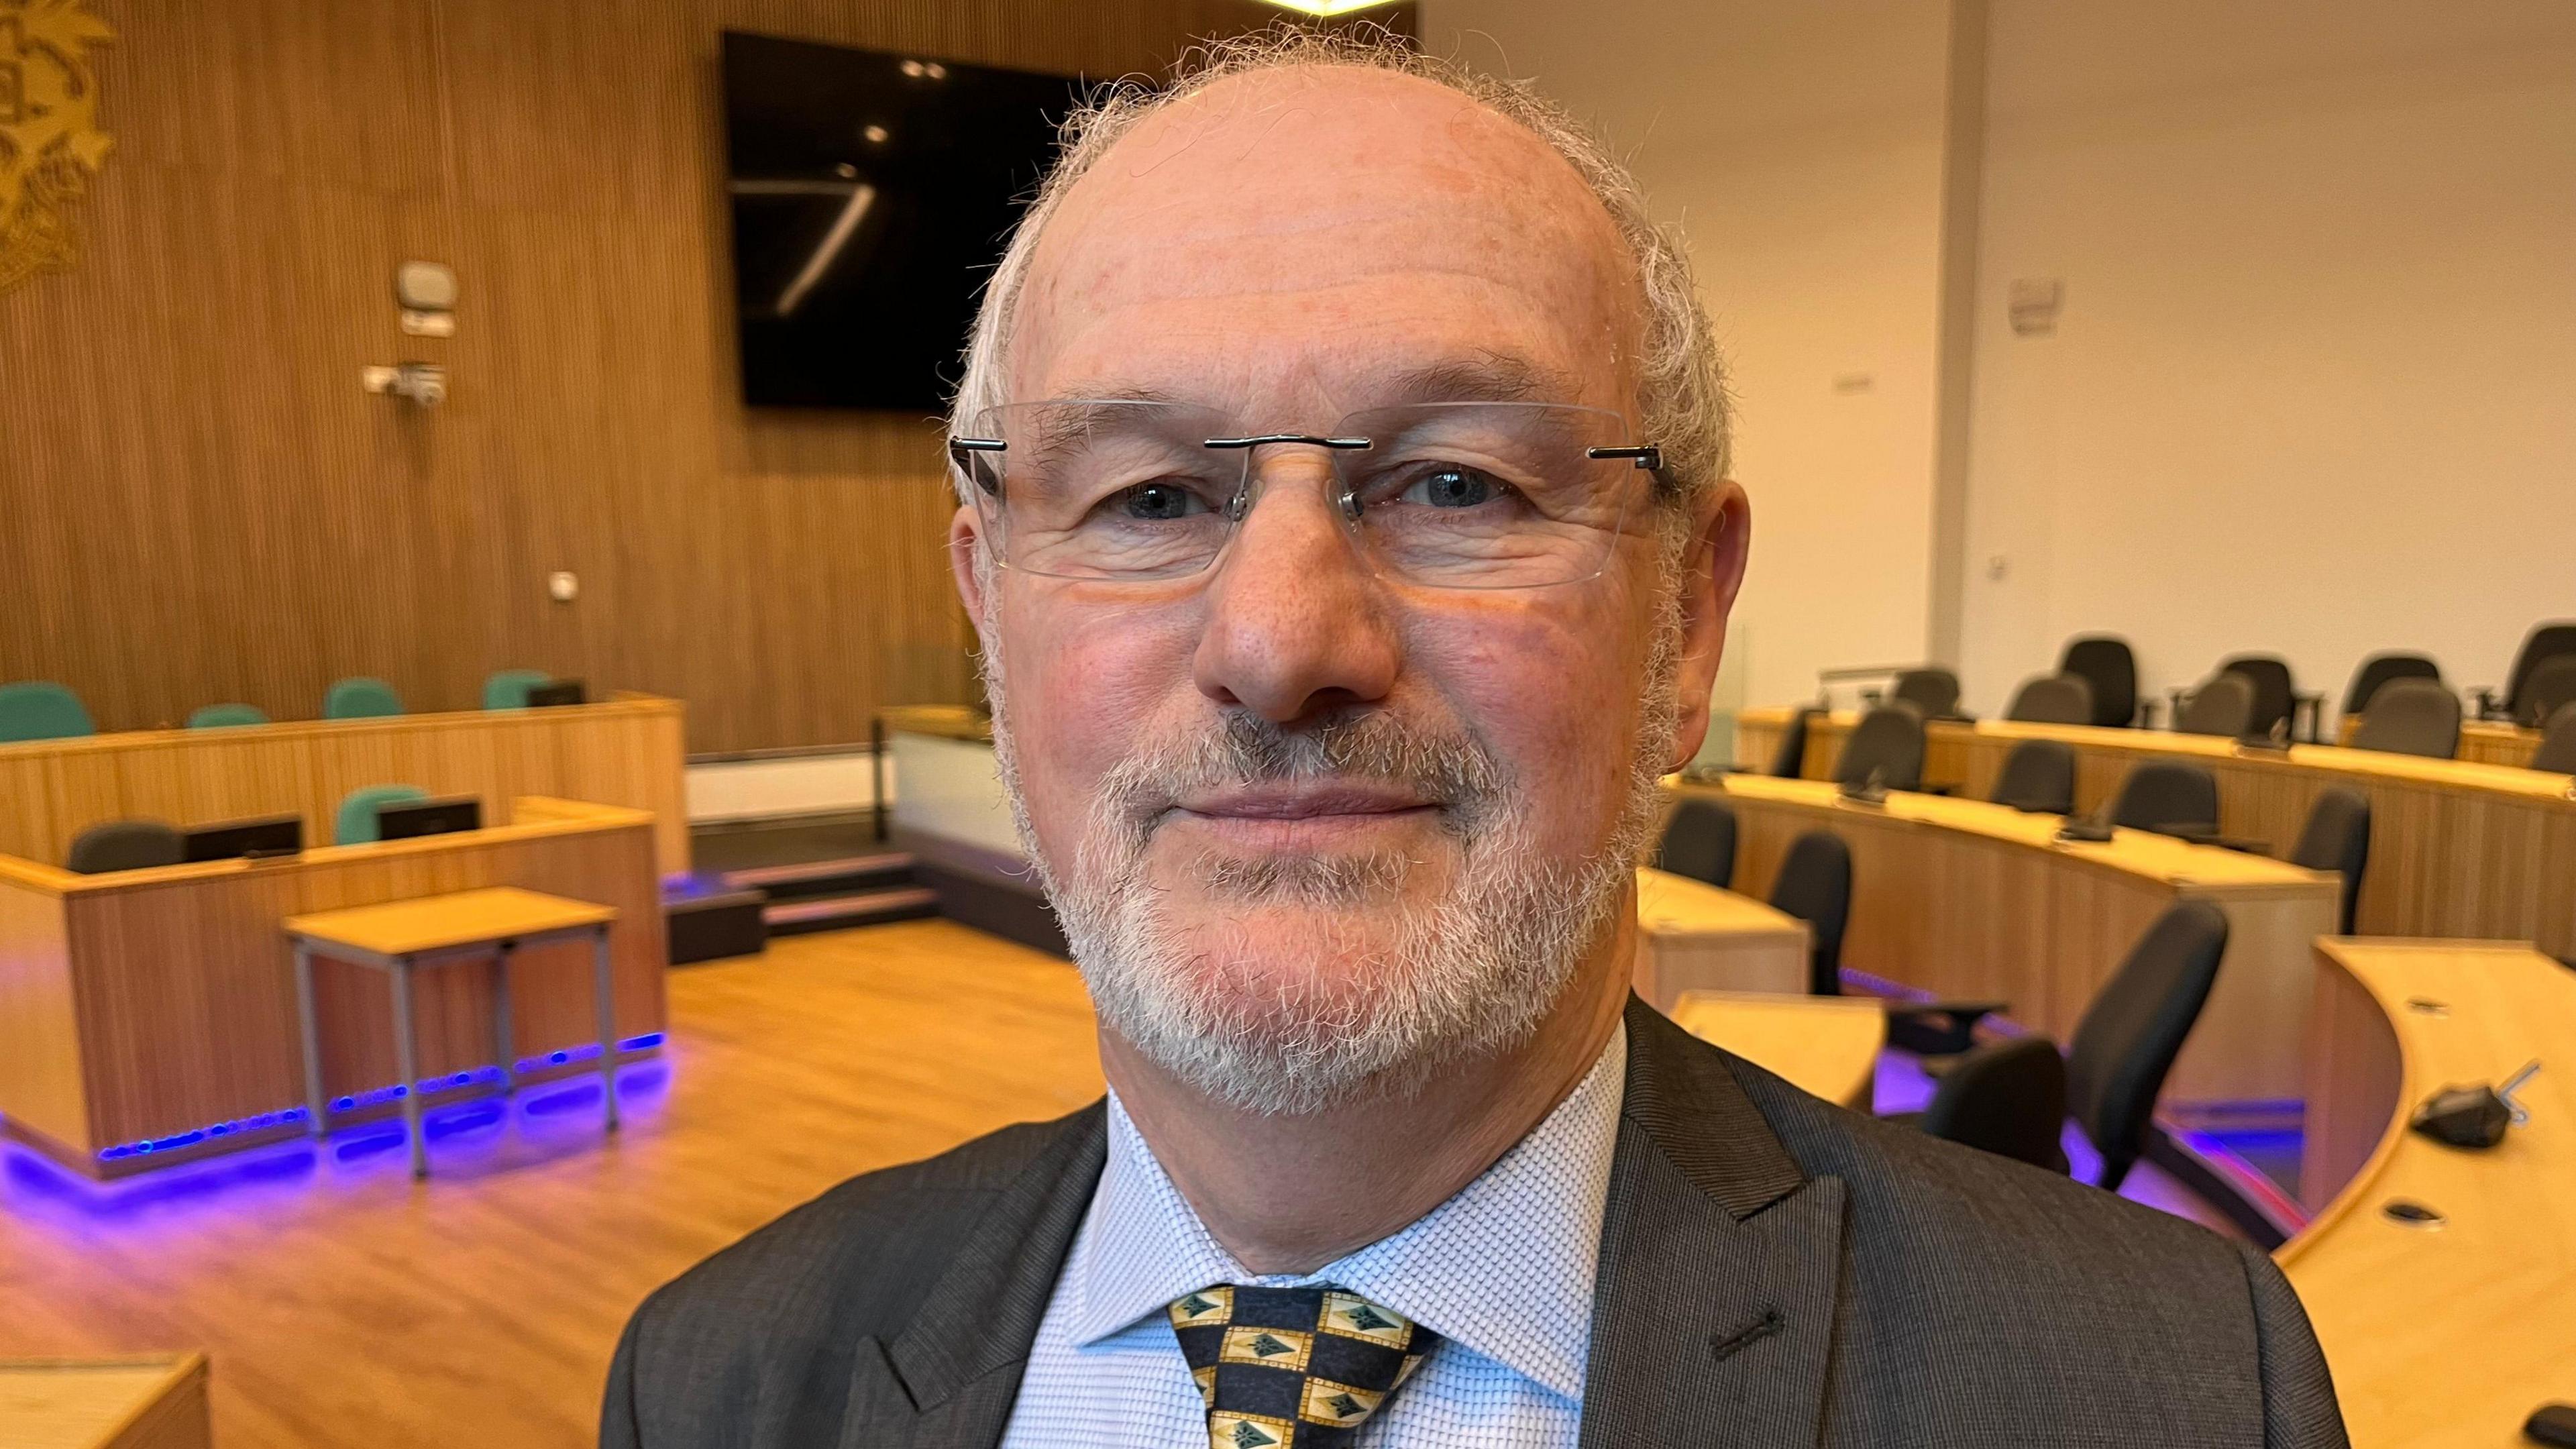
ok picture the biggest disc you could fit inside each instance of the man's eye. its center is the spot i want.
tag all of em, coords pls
(1450, 486)
(1155, 501)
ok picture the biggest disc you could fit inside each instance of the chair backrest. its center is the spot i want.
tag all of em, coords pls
(2172, 796)
(2223, 705)
(39, 709)
(1888, 744)
(2550, 686)
(2557, 752)
(1933, 691)
(2008, 1098)
(125, 845)
(2276, 695)
(1814, 885)
(226, 716)
(1789, 757)
(508, 688)
(1699, 842)
(2038, 776)
(356, 822)
(2377, 670)
(2337, 838)
(2412, 717)
(2544, 643)
(359, 697)
(2053, 699)
(2136, 1024)
(2110, 667)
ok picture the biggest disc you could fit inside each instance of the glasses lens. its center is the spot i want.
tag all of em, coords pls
(1107, 490)
(1491, 495)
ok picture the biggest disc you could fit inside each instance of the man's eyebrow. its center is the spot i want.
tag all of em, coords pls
(1113, 390)
(1486, 377)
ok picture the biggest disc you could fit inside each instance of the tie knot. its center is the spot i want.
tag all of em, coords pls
(1302, 1367)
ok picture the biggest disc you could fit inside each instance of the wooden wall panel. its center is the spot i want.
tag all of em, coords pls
(201, 505)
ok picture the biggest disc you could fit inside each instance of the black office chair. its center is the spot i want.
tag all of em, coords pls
(1814, 885)
(1935, 692)
(1887, 745)
(2171, 797)
(125, 845)
(2129, 1036)
(2008, 1098)
(2551, 687)
(2052, 699)
(1789, 758)
(2557, 752)
(2223, 705)
(2276, 694)
(2545, 642)
(2038, 776)
(2107, 664)
(1699, 842)
(2412, 717)
(2379, 669)
(2337, 838)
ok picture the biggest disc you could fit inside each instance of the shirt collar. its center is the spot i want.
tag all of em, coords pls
(1505, 1267)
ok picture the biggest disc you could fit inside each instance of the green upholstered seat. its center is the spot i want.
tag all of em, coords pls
(508, 688)
(226, 716)
(359, 697)
(39, 709)
(356, 822)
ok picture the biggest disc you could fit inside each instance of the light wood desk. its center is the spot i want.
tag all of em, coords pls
(2482, 742)
(625, 751)
(149, 1016)
(1694, 937)
(1824, 1045)
(1968, 899)
(146, 1402)
(2445, 1336)
(2458, 850)
(402, 936)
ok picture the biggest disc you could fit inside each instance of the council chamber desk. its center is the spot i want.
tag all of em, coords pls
(147, 1016)
(2458, 850)
(625, 751)
(1967, 899)
(2447, 1332)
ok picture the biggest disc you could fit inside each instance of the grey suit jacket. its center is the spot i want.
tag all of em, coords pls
(1774, 1271)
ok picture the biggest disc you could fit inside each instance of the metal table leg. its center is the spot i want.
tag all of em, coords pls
(504, 1039)
(606, 992)
(405, 1053)
(314, 1106)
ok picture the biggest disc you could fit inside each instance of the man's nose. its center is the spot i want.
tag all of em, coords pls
(1296, 625)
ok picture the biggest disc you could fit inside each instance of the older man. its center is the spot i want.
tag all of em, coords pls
(1348, 535)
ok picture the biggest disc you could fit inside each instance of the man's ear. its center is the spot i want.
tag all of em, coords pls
(1712, 572)
(966, 564)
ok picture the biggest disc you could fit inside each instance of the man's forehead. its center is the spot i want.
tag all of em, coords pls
(1316, 228)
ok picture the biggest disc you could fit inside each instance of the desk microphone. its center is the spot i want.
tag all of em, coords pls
(2474, 1117)
(2552, 1424)
(2084, 830)
(1871, 792)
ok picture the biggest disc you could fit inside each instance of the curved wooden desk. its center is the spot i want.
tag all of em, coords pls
(2451, 1335)
(1695, 937)
(2458, 850)
(1969, 899)
(1827, 1045)
(2482, 741)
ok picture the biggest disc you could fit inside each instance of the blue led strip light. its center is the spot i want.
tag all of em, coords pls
(352, 1102)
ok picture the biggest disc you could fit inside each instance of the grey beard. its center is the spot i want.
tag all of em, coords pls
(1470, 975)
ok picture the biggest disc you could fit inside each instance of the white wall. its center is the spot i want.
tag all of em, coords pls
(2314, 387)
(1800, 146)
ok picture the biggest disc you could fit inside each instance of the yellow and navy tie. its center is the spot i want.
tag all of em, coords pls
(1294, 1368)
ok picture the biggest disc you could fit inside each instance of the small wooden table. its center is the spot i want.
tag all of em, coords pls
(154, 1401)
(1827, 1045)
(1694, 937)
(401, 935)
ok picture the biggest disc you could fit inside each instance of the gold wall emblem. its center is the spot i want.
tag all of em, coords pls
(50, 143)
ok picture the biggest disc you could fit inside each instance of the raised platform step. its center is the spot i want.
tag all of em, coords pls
(856, 908)
(886, 867)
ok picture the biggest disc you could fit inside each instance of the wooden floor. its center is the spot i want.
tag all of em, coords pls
(341, 1304)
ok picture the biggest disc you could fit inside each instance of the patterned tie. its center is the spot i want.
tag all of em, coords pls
(1295, 1368)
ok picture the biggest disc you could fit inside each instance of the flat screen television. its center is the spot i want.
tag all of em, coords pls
(871, 195)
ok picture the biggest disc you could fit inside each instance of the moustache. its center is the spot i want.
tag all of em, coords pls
(1446, 766)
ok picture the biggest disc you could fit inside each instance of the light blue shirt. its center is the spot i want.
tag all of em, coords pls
(1503, 1271)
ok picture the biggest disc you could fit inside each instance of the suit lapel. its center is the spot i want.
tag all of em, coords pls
(950, 1379)
(1713, 1319)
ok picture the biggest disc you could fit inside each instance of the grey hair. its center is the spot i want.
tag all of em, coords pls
(1681, 394)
